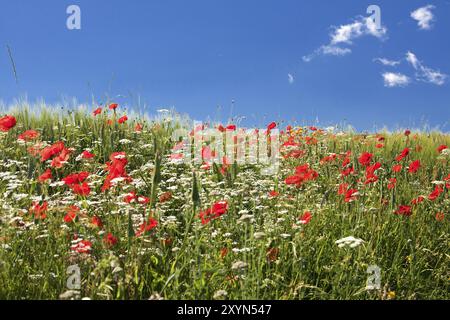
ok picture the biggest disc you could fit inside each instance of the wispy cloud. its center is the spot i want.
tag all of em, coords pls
(334, 51)
(392, 79)
(290, 78)
(424, 73)
(412, 59)
(327, 50)
(387, 62)
(344, 35)
(424, 17)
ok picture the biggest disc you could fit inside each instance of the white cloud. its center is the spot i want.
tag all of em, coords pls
(412, 59)
(327, 50)
(308, 58)
(290, 78)
(361, 27)
(424, 73)
(424, 17)
(345, 35)
(387, 62)
(334, 50)
(433, 76)
(392, 79)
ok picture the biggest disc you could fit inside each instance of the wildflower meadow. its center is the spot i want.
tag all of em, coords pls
(100, 204)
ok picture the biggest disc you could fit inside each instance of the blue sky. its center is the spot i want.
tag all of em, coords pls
(200, 55)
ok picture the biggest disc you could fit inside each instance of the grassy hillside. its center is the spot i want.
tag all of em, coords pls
(141, 225)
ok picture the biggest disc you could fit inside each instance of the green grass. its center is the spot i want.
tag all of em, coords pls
(181, 258)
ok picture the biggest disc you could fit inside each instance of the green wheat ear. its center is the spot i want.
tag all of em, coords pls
(156, 178)
(195, 191)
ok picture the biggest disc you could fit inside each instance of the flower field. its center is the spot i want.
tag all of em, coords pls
(103, 193)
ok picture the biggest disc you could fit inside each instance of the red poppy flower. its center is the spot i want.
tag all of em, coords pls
(231, 127)
(350, 195)
(28, 135)
(365, 159)
(166, 241)
(7, 123)
(97, 111)
(440, 216)
(116, 169)
(397, 168)
(294, 154)
(138, 127)
(96, 221)
(147, 227)
(218, 209)
(272, 254)
(347, 171)
(305, 218)
(77, 183)
(273, 194)
(436, 193)
(403, 154)
(271, 126)
(347, 159)
(143, 200)
(87, 155)
(447, 178)
(75, 178)
(293, 180)
(71, 214)
(122, 119)
(407, 132)
(205, 166)
(83, 246)
(417, 200)
(310, 140)
(290, 143)
(166, 196)
(414, 166)
(303, 173)
(392, 183)
(343, 187)
(51, 151)
(404, 210)
(130, 197)
(223, 252)
(81, 189)
(39, 211)
(441, 148)
(110, 240)
(113, 106)
(35, 150)
(328, 158)
(47, 175)
(61, 158)
(370, 173)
